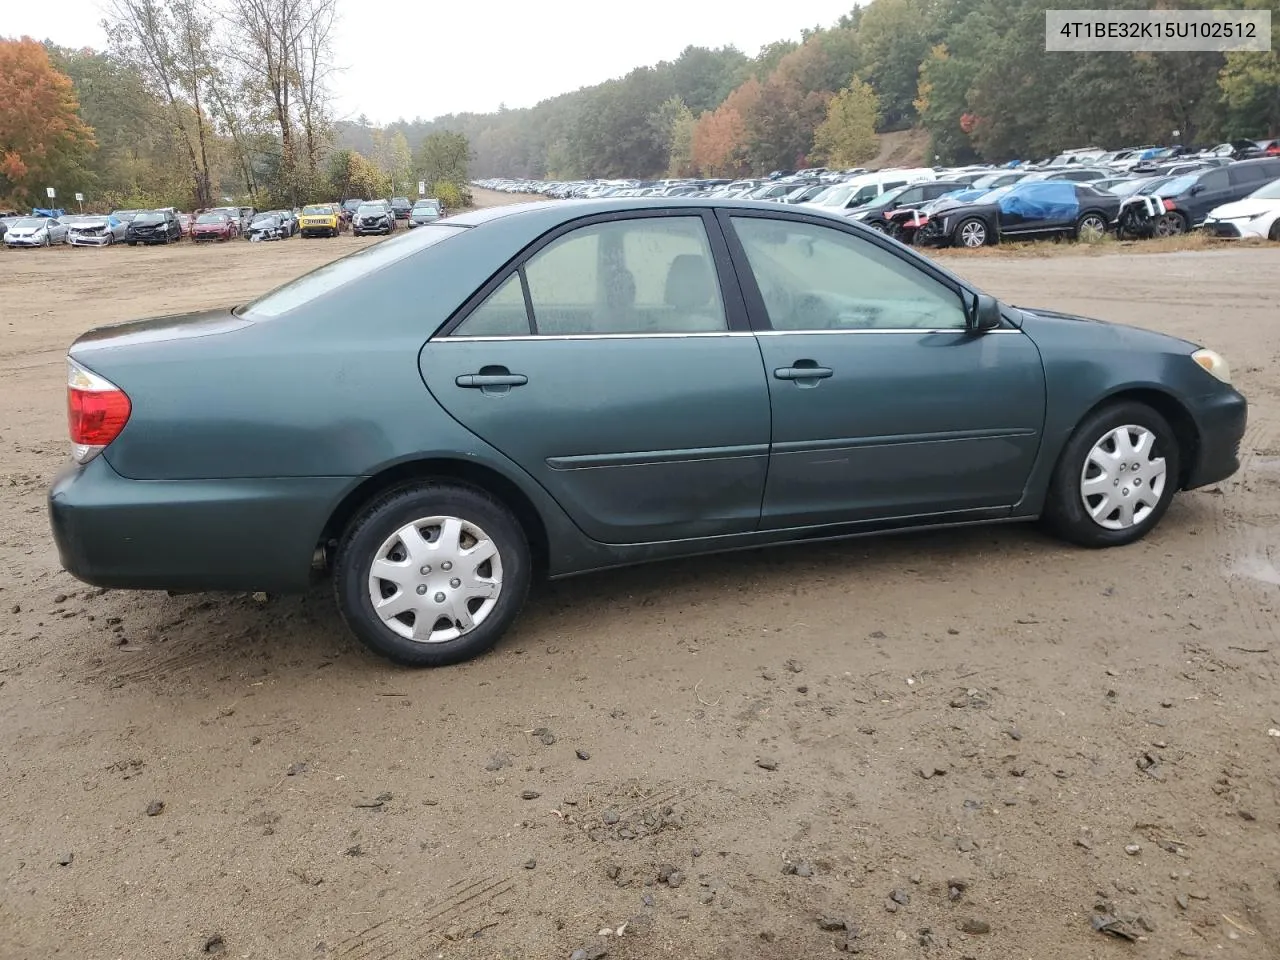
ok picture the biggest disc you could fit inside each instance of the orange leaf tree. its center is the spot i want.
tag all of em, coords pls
(43, 141)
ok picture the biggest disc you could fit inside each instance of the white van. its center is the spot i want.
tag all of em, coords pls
(856, 191)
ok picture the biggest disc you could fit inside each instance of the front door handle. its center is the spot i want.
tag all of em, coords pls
(492, 380)
(805, 372)
(483, 380)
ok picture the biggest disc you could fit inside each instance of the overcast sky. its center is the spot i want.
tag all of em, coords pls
(394, 65)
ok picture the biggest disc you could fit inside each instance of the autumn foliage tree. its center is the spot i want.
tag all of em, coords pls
(847, 137)
(43, 141)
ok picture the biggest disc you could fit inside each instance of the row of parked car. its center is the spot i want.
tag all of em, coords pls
(1139, 192)
(45, 228)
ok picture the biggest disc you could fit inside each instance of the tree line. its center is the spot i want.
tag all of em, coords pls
(972, 73)
(194, 101)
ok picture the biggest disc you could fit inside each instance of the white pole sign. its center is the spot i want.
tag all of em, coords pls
(422, 188)
(79, 198)
(51, 192)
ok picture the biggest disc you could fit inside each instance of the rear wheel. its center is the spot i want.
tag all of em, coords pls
(1115, 478)
(432, 574)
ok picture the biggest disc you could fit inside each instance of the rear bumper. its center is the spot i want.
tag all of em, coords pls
(245, 534)
(1220, 419)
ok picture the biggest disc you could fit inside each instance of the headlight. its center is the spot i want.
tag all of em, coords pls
(1214, 363)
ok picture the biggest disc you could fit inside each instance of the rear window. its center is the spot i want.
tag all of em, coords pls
(333, 275)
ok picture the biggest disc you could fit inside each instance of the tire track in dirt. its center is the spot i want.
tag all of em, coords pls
(406, 935)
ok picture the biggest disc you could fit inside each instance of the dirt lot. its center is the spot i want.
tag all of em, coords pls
(960, 745)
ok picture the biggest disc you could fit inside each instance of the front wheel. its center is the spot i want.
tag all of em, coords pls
(1274, 233)
(433, 574)
(1171, 225)
(972, 233)
(1091, 228)
(1115, 478)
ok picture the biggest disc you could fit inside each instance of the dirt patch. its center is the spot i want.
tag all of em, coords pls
(967, 744)
(902, 148)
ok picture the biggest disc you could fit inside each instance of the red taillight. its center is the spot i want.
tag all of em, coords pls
(1169, 205)
(97, 411)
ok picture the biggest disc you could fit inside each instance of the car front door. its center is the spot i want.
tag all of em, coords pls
(1213, 189)
(884, 405)
(615, 365)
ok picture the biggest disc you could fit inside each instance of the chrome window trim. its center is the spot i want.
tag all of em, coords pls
(702, 335)
(598, 336)
(859, 331)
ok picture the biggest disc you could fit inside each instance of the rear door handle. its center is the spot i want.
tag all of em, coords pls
(803, 373)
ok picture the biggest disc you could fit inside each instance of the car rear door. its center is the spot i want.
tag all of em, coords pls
(884, 406)
(613, 362)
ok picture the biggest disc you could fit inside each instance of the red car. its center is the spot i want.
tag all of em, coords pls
(214, 226)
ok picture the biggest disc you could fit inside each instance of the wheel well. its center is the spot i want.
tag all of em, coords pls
(471, 474)
(1184, 427)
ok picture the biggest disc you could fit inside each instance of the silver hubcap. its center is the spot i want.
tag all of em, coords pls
(973, 235)
(1092, 229)
(1122, 479)
(435, 579)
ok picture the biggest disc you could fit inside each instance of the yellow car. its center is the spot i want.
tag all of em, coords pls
(319, 220)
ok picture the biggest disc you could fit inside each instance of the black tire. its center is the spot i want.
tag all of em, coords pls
(398, 508)
(972, 224)
(1065, 512)
(1172, 224)
(132, 243)
(1274, 233)
(1088, 223)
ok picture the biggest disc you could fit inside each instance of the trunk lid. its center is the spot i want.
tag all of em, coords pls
(183, 326)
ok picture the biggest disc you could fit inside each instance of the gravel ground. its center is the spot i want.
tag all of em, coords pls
(974, 744)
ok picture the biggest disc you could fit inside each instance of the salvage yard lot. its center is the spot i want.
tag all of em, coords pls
(962, 744)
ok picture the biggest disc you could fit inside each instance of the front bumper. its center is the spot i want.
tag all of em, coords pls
(1220, 420)
(89, 239)
(243, 534)
(1255, 229)
(23, 241)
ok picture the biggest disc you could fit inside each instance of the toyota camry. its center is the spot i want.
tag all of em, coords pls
(547, 389)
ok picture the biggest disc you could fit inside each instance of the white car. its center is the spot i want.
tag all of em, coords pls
(94, 231)
(1257, 216)
(36, 232)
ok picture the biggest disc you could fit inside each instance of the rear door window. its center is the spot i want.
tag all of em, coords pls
(650, 275)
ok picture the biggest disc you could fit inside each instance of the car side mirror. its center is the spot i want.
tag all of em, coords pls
(981, 312)
(1197, 188)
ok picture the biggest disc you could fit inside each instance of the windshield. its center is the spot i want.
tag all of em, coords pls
(1271, 191)
(27, 222)
(212, 218)
(371, 209)
(149, 218)
(328, 278)
(886, 199)
(836, 197)
(991, 196)
(314, 211)
(1178, 184)
(265, 221)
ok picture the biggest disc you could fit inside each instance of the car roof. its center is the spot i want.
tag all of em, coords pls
(551, 213)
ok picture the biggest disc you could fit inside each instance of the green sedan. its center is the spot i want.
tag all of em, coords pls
(547, 389)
